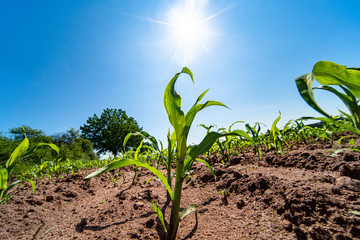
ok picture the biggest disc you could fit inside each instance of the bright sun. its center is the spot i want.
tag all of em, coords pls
(189, 28)
(189, 31)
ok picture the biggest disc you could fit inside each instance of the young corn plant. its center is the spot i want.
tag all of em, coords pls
(182, 123)
(21, 152)
(225, 147)
(184, 159)
(154, 146)
(329, 73)
(255, 132)
(208, 128)
(276, 137)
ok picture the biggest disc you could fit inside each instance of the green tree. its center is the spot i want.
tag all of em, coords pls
(108, 131)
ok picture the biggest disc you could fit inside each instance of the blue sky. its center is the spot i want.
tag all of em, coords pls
(63, 61)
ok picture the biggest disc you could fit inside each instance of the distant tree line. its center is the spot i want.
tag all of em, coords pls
(105, 134)
(70, 143)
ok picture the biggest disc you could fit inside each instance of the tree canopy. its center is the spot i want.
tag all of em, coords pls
(108, 131)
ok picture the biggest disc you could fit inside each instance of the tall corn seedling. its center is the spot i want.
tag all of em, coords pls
(181, 123)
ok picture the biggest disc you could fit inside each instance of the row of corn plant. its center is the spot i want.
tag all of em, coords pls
(60, 167)
(293, 132)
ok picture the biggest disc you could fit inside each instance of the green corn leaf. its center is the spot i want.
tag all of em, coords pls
(37, 231)
(201, 96)
(207, 143)
(348, 99)
(53, 146)
(32, 184)
(126, 162)
(173, 141)
(337, 123)
(208, 166)
(330, 73)
(5, 199)
(31, 151)
(17, 153)
(3, 178)
(147, 182)
(46, 232)
(304, 84)
(346, 115)
(138, 150)
(4, 193)
(159, 214)
(189, 209)
(152, 141)
(190, 115)
(172, 102)
(355, 213)
(210, 139)
(128, 136)
(234, 124)
(273, 127)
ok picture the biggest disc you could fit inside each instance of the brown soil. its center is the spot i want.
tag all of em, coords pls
(305, 194)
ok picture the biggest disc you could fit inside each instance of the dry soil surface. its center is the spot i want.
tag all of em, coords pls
(304, 194)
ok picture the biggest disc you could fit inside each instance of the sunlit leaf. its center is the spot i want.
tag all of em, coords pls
(305, 86)
(51, 145)
(330, 73)
(18, 152)
(159, 214)
(190, 115)
(355, 212)
(3, 178)
(189, 209)
(126, 162)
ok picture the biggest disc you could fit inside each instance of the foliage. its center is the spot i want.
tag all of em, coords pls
(72, 146)
(329, 73)
(21, 152)
(108, 131)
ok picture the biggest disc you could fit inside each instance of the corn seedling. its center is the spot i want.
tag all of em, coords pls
(224, 147)
(225, 194)
(276, 137)
(181, 123)
(44, 234)
(135, 155)
(255, 133)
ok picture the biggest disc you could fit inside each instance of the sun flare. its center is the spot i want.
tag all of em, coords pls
(189, 31)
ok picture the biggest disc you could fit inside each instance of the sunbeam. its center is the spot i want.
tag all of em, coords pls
(188, 29)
